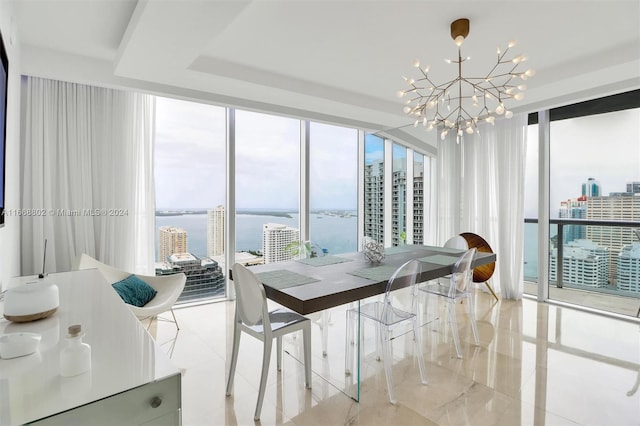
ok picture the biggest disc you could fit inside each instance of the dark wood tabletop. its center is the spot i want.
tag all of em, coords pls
(336, 285)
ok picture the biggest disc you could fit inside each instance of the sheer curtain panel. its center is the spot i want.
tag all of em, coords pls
(481, 190)
(87, 182)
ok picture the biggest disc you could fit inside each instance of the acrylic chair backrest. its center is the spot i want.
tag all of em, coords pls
(405, 276)
(461, 274)
(251, 299)
(457, 242)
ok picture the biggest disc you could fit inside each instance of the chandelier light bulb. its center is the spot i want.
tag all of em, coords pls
(511, 43)
(522, 87)
(469, 130)
(499, 110)
(448, 61)
(443, 135)
(459, 40)
(508, 114)
(400, 93)
(530, 72)
(518, 96)
(407, 109)
(416, 63)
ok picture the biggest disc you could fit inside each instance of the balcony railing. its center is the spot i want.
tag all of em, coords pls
(584, 255)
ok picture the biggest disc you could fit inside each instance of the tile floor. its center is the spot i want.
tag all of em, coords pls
(537, 364)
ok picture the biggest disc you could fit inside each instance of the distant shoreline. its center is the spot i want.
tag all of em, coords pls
(167, 213)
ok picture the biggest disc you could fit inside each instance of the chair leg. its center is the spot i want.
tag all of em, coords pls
(174, 319)
(471, 309)
(383, 333)
(453, 322)
(234, 357)
(306, 340)
(266, 357)
(417, 337)
(279, 354)
(349, 343)
(324, 325)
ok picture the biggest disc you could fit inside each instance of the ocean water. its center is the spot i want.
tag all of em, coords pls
(338, 234)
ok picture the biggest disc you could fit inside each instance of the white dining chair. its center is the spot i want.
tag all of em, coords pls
(458, 287)
(387, 316)
(253, 317)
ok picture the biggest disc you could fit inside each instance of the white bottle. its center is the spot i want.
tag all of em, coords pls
(76, 357)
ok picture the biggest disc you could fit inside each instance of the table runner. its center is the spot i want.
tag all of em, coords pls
(324, 260)
(378, 273)
(283, 278)
(396, 250)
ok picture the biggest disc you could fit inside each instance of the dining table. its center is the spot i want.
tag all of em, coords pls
(316, 284)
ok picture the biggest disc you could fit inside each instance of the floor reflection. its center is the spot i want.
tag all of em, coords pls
(536, 364)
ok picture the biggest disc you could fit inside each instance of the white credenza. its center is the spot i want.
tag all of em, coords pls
(131, 382)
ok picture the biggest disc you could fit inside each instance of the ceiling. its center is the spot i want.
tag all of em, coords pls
(335, 61)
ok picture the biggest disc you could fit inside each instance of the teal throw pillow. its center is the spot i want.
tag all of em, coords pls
(134, 291)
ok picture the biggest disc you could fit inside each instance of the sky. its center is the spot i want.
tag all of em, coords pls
(190, 165)
(190, 159)
(605, 147)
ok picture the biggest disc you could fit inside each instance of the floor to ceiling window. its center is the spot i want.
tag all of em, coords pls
(190, 182)
(333, 186)
(594, 206)
(267, 186)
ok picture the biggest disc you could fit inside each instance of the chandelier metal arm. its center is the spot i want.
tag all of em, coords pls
(495, 88)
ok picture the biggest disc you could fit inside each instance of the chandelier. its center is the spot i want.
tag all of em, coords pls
(460, 104)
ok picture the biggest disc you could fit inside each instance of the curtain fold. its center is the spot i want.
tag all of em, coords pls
(481, 190)
(87, 183)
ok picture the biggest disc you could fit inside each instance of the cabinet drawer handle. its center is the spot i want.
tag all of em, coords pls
(156, 401)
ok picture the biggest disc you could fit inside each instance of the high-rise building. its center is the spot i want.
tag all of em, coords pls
(171, 240)
(613, 207)
(591, 188)
(628, 273)
(275, 239)
(374, 201)
(575, 208)
(584, 263)
(418, 203)
(215, 231)
(205, 278)
(398, 206)
(633, 187)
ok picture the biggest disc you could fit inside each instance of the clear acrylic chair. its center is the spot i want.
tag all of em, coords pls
(388, 315)
(457, 287)
(252, 316)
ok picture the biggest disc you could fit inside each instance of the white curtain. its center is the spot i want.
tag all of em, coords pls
(87, 183)
(481, 190)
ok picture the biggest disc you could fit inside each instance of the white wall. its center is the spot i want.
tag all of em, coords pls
(9, 234)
